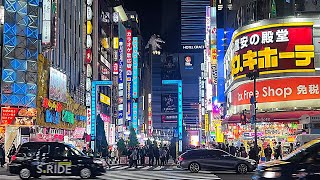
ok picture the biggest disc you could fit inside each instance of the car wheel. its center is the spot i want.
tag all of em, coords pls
(85, 173)
(25, 173)
(194, 167)
(242, 168)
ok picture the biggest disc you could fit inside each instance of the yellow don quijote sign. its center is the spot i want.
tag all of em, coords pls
(276, 48)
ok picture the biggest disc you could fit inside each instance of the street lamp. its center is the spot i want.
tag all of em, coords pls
(253, 76)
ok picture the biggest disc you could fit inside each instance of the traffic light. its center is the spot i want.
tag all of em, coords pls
(243, 119)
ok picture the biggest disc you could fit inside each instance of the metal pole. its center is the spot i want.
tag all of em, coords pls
(255, 113)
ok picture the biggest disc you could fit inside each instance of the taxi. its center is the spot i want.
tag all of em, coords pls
(35, 159)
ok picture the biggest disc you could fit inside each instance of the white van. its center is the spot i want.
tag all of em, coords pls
(304, 138)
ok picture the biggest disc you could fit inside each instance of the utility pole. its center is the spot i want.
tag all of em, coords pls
(253, 76)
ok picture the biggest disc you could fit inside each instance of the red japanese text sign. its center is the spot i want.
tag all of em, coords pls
(273, 49)
(8, 115)
(276, 90)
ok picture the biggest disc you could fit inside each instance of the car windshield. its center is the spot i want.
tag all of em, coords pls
(295, 153)
(76, 151)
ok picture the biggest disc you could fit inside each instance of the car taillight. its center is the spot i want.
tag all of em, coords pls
(180, 158)
(14, 157)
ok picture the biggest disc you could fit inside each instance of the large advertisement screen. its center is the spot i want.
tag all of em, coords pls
(57, 86)
(276, 48)
(169, 102)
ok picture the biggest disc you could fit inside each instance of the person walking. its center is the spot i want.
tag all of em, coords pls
(232, 150)
(243, 152)
(2, 155)
(268, 153)
(105, 155)
(157, 155)
(134, 158)
(167, 155)
(12, 152)
(278, 151)
(163, 155)
(151, 155)
(142, 155)
(252, 153)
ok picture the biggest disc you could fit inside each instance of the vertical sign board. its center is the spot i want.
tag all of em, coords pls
(135, 116)
(213, 43)
(135, 82)
(129, 72)
(180, 113)
(46, 21)
(120, 83)
(88, 120)
(93, 108)
(149, 114)
(206, 122)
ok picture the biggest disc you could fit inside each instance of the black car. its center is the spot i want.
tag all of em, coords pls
(214, 159)
(34, 159)
(303, 163)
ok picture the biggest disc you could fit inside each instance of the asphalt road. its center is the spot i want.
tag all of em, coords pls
(148, 173)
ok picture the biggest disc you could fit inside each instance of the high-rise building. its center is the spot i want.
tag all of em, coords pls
(193, 21)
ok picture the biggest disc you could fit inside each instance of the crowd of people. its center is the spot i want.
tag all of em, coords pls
(269, 153)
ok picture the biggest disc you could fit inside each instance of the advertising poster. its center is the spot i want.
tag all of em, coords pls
(169, 102)
(18, 116)
(129, 72)
(57, 86)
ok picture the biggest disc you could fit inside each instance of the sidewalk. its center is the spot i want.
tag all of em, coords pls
(4, 170)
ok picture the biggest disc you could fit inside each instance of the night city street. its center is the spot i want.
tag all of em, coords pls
(160, 89)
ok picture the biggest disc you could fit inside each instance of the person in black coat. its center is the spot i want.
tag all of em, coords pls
(232, 150)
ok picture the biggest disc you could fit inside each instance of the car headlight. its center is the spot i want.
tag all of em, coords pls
(252, 162)
(271, 174)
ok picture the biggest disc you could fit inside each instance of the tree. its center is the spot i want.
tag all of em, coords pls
(121, 146)
(133, 140)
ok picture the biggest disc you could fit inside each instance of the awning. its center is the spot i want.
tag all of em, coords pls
(289, 116)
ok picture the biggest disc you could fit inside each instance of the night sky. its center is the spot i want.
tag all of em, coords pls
(161, 17)
(149, 13)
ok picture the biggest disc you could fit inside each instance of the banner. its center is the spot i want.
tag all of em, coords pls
(57, 86)
(105, 99)
(276, 90)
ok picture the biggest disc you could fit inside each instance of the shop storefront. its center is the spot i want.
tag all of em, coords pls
(287, 88)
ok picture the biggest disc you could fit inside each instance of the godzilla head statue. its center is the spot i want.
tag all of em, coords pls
(155, 41)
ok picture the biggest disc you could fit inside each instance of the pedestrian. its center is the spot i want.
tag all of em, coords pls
(268, 153)
(243, 152)
(167, 155)
(232, 150)
(227, 148)
(105, 155)
(291, 148)
(84, 150)
(163, 154)
(252, 153)
(134, 158)
(2, 155)
(278, 151)
(142, 155)
(12, 152)
(151, 155)
(157, 155)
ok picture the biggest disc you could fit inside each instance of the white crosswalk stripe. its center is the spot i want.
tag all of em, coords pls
(146, 168)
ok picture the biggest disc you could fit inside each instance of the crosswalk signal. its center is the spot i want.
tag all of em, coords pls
(243, 119)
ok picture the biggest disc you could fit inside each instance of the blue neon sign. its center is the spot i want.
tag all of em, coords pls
(135, 82)
(135, 116)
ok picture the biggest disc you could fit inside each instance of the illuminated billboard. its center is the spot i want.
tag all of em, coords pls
(129, 72)
(135, 79)
(272, 49)
(169, 102)
(120, 83)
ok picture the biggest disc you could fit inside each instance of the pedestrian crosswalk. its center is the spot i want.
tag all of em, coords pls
(144, 168)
